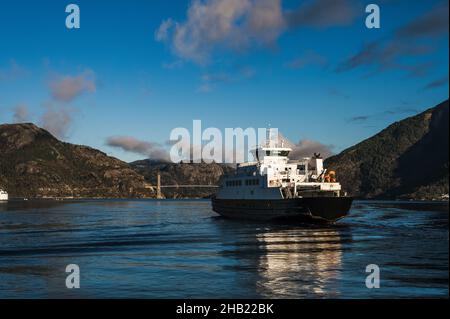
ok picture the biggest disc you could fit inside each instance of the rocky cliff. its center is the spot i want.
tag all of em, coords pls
(408, 159)
(183, 174)
(34, 164)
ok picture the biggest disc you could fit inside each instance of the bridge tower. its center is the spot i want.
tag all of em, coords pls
(158, 186)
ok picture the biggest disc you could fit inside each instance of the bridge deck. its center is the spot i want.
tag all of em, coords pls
(196, 186)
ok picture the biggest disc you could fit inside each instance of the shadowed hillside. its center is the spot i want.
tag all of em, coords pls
(408, 159)
(183, 174)
(34, 164)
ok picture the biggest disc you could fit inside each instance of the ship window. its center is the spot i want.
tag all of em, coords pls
(277, 153)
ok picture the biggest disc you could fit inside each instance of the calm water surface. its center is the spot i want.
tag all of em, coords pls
(181, 249)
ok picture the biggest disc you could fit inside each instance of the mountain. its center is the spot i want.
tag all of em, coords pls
(408, 159)
(34, 164)
(182, 174)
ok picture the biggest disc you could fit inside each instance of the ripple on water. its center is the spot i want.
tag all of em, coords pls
(181, 249)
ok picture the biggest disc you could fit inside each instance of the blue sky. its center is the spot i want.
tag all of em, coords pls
(138, 69)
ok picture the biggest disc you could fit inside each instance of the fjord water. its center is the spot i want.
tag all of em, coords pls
(181, 249)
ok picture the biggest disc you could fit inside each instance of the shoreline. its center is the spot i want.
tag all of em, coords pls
(74, 199)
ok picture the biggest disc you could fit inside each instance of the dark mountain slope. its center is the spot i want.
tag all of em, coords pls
(182, 174)
(409, 159)
(35, 164)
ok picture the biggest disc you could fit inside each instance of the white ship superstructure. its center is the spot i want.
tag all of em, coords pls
(273, 186)
(274, 176)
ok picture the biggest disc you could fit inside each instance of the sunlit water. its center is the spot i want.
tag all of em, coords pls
(181, 249)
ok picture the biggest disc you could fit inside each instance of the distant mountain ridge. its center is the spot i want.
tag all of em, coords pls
(409, 159)
(34, 164)
(182, 174)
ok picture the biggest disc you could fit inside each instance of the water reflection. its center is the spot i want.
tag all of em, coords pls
(180, 249)
(299, 262)
(286, 261)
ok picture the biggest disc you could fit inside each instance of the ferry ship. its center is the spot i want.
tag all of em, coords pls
(3, 195)
(274, 187)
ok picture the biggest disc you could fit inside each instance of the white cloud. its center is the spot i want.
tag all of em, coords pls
(133, 145)
(222, 24)
(162, 33)
(57, 119)
(307, 148)
(67, 88)
(21, 113)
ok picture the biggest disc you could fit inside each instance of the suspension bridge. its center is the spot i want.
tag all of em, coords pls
(159, 186)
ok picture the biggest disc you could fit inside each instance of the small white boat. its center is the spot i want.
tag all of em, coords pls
(3, 195)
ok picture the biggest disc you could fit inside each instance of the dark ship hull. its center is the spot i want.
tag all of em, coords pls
(306, 209)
